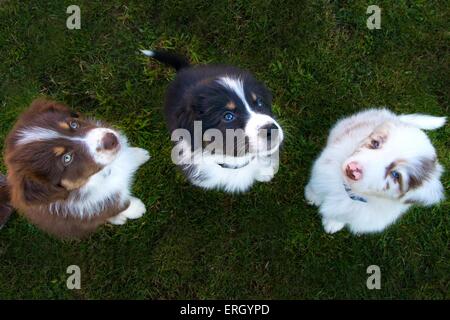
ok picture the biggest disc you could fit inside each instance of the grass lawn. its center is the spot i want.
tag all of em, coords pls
(321, 63)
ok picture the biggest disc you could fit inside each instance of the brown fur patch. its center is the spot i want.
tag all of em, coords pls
(392, 166)
(64, 125)
(400, 186)
(59, 151)
(230, 105)
(421, 173)
(400, 182)
(348, 130)
(389, 168)
(68, 226)
(73, 185)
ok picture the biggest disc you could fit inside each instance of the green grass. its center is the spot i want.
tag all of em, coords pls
(320, 61)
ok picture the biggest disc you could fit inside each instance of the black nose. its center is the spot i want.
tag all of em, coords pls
(110, 141)
(268, 129)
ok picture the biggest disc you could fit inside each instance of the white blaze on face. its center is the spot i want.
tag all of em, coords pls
(257, 121)
(35, 134)
(94, 141)
(258, 139)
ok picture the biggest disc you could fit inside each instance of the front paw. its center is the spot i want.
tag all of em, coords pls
(141, 155)
(135, 210)
(332, 226)
(265, 176)
(311, 197)
(118, 220)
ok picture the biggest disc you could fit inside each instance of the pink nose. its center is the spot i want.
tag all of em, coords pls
(110, 141)
(354, 170)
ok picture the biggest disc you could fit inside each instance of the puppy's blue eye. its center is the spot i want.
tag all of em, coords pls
(67, 158)
(395, 175)
(74, 124)
(228, 116)
(259, 103)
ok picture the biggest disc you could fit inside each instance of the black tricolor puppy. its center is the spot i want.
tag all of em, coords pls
(232, 138)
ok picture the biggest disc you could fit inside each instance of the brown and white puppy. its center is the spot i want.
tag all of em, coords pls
(375, 166)
(67, 174)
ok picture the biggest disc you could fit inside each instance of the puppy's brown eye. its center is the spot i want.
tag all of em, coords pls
(67, 159)
(74, 125)
(374, 144)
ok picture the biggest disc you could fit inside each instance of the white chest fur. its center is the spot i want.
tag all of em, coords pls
(209, 174)
(112, 183)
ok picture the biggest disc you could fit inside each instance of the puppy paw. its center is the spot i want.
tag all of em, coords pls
(311, 197)
(118, 220)
(265, 175)
(141, 155)
(135, 210)
(264, 178)
(332, 226)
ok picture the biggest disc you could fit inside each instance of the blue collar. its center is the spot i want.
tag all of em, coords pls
(353, 196)
(238, 166)
(229, 166)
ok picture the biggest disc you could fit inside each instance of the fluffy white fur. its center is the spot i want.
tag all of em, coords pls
(115, 180)
(209, 174)
(384, 201)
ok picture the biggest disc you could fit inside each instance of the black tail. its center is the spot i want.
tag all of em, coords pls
(5, 208)
(173, 60)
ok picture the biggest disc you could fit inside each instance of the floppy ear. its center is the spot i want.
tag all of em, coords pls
(423, 121)
(429, 193)
(43, 105)
(4, 190)
(40, 192)
(5, 212)
(187, 115)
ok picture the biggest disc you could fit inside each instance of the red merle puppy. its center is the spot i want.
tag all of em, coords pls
(68, 175)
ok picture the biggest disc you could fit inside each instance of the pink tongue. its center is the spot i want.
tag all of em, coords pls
(353, 166)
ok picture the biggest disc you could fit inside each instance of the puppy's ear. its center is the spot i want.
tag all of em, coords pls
(43, 105)
(423, 121)
(5, 213)
(187, 115)
(36, 191)
(429, 193)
